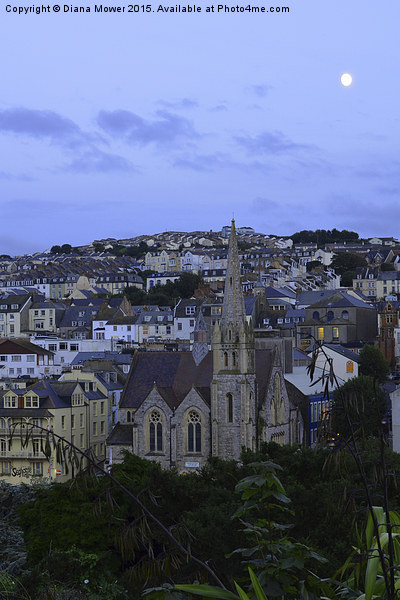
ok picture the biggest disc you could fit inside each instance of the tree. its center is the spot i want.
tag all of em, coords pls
(360, 404)
(279, 566)
(347, 261)
(373, 363)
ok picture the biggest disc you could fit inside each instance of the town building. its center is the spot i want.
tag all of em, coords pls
(178, 408)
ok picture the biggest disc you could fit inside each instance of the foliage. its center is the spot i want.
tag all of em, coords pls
(323, 236)
(138, 251)
(373, 363)
(313, 265)
(358, 405)
(64, 249)
(345, 264)
(368, 572)
(12, 547)
(207, 591)
(165, 295)
(279, 561)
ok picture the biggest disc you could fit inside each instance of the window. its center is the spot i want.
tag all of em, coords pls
(315, 315)
(94, 428)
(31, 357)
(102, 427)
(37, 469)
(330, 315)
(102, 408)
(190, 310)
(320, 333)
(179, 326)
(345, 315)
(349, 366)
(3, 358)
(63, 346)
(335, 333)
(36, 447)
(5, 467)
(82, 440)
(229, 408)
(191, 322)
(16, 358)
(30, 371)
(194, 432)
(74, 347)
(63, 422)
(128, 416)
(155, 432)
(10, 401)
(73, 421)
(81, 420)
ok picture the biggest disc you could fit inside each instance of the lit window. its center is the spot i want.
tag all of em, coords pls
(320, 333)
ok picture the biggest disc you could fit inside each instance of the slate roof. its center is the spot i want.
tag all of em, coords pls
(344, 352)
(88, 301)
(272, 292)
(72, 315)
(54, 394)
(121, 434)
(341, 300)
(310, 298)
(175, 373)
(17, 346)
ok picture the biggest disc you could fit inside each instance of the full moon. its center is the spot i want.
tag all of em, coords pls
(346, 79)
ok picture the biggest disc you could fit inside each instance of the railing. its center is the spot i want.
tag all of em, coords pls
(23, 454)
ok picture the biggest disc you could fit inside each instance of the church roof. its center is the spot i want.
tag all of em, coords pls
(175, 373)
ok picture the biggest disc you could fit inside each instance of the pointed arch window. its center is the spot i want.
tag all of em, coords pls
(194, 432)
(225, 359)
(229, 408)
(128, 416)
(234, 359)
(155, 432)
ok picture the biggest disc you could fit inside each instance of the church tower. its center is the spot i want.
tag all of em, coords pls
(233, 389)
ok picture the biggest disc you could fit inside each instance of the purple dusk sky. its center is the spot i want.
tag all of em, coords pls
(122, 124)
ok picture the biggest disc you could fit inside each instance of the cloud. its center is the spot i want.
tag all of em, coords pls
(212, 162)
(269, 143)
(185, 103)
(95, 161)
(11, 177)
(219, 108)
(167, 129)
(260, 90)
(41, 124)
(261, 205)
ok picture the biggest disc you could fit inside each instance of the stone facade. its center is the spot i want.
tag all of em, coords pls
(179, 408)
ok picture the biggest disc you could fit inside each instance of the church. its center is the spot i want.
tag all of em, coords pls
(179, 408)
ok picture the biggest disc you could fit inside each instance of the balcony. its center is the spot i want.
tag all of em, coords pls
(22, 454)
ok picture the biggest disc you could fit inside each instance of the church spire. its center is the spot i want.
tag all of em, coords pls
(233, 312)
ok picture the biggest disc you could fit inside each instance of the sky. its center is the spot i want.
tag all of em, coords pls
(130, 123)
